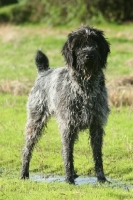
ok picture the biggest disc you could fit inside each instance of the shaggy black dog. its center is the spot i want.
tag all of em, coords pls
(75, 94)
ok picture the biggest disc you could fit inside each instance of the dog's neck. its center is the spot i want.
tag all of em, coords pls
(87, 81)
(82, 75)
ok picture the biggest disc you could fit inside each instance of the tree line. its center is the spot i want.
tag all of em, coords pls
(59, 12)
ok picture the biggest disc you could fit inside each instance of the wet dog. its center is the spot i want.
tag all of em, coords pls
(76, 94)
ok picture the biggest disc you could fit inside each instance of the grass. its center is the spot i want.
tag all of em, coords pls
(18, 47)
(24, 190)
(20, 42)
(117, 149)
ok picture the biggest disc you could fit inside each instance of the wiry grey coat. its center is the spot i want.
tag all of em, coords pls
(75, 94)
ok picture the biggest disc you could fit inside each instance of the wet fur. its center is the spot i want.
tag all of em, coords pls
(75, 94)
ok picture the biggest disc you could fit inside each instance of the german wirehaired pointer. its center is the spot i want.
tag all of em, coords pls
(75, 94)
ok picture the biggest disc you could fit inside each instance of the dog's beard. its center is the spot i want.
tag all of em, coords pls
(88, 66)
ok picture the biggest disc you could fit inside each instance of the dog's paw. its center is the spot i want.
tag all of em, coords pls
(70, 181)
(24, 176)
(75, 175)
(103, 180)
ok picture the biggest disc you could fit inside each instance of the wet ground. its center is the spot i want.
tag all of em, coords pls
(81, 180)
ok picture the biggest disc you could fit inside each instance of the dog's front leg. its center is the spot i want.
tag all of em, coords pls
(67, 151)
(96, 136)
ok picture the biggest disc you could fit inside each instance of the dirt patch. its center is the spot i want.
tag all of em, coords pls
(125, 34)
(12, 33)
(129, 62)
(9, 33)
(15, 87)
(120, 91)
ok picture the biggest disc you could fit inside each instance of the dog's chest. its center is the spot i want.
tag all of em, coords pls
(82, 103)
(86, 106)
(81, 106)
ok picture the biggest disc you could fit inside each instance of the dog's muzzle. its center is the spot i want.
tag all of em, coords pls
(90, 59)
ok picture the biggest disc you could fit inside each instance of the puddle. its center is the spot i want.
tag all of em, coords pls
(81, 180)
(78, 181)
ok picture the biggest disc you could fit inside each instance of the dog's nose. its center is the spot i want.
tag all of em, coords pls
(89, 56)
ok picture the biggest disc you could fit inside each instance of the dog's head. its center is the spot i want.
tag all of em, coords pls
(86, 50)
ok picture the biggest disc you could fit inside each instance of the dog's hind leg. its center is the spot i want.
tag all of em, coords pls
(96, 136)
(33, 132)
(68, 139)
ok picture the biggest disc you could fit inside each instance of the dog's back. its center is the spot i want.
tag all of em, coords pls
(41, 61)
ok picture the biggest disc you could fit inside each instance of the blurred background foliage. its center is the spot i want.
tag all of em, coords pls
(62, 12)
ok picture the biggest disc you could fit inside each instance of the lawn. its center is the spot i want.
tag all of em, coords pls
(18, 72)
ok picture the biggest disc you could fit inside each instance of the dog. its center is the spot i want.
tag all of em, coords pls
(75, 94)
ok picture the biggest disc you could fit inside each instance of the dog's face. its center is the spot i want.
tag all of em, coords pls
(86, 50)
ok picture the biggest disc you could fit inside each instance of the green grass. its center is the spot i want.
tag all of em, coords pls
(120, 38)
(20, 52)
(29, 190)
(117, 156)
(18, 47)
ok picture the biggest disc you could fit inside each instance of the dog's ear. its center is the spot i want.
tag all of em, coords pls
(104, 50)
(68, 51)
(103, 44)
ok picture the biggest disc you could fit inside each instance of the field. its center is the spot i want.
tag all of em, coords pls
(18, 72)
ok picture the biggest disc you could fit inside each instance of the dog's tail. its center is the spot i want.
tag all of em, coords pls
(41, 61)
